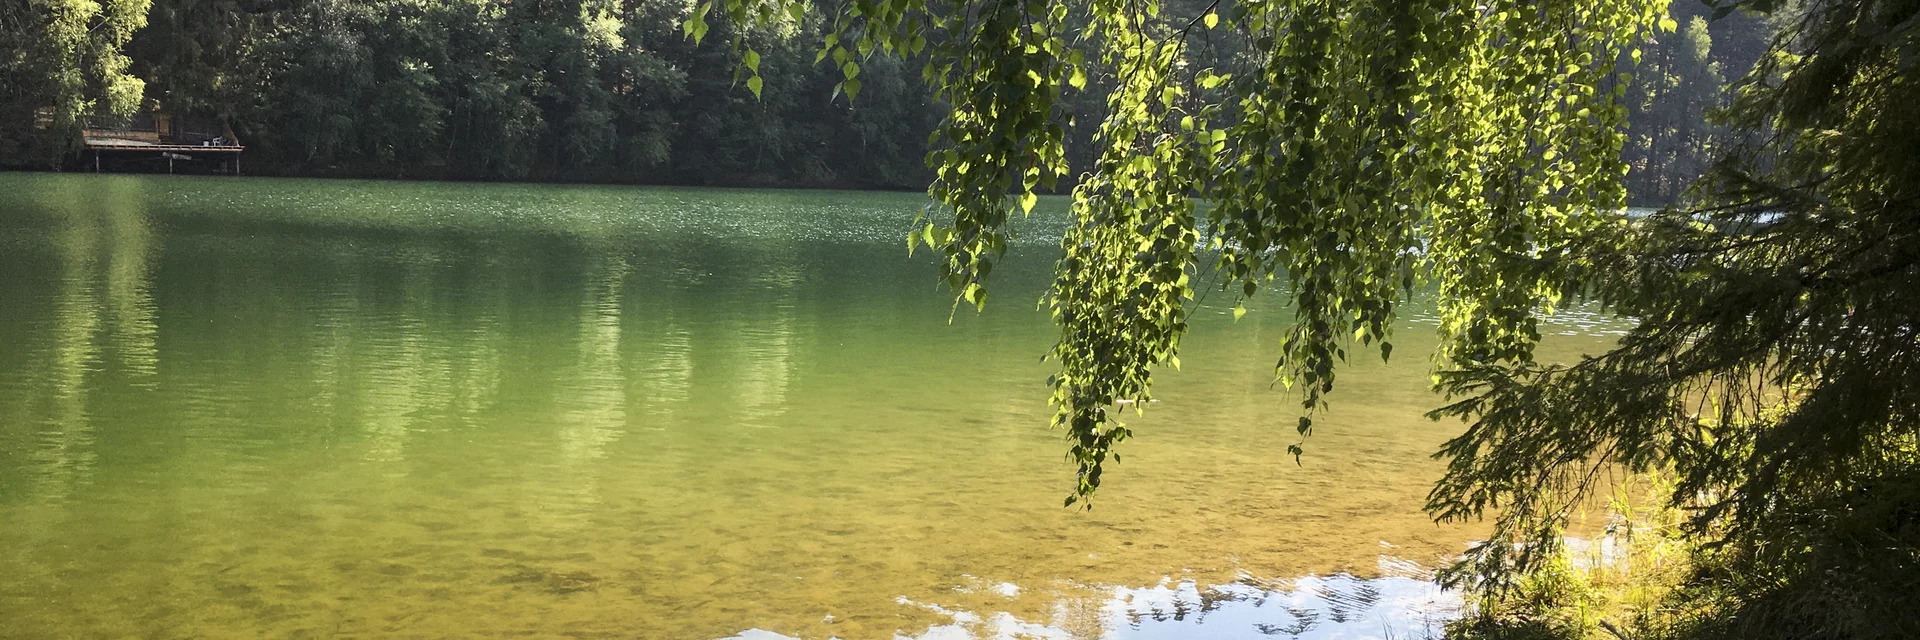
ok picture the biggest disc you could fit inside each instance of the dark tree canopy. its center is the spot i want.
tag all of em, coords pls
(575, 90)
(1774, 366)
(593, 90)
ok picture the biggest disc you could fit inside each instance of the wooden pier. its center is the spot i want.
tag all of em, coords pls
(155, 135)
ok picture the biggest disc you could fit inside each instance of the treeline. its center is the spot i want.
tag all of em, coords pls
(579, 90)
(1681, 79)
(612, 91)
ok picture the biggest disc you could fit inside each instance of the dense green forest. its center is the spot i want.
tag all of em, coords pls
(1682, 79)
(595, 90)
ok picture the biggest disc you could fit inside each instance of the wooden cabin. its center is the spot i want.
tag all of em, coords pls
(160, 135)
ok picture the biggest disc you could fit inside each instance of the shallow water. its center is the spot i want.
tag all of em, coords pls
(303, 408)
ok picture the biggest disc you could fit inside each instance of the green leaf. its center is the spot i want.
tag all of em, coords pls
(696, 25)
(1212, 19)
(754, 84)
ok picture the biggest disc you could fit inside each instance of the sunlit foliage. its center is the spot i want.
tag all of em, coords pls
(1358, 150)
(60, 63)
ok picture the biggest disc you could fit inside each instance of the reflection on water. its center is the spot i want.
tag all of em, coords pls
(286, 408)
(1402, 603)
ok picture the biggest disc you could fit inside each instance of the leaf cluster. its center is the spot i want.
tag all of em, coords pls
(1773, 366)
(1360, 150)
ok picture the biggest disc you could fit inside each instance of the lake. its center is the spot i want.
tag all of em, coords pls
(249, 407)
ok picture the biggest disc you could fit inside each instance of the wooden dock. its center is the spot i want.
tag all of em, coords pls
(162, 136)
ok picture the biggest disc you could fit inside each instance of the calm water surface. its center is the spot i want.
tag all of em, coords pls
(295, 408)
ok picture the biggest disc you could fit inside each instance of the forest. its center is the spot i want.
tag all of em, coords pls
(600, 91)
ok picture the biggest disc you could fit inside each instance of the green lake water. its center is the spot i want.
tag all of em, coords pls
(301, 408)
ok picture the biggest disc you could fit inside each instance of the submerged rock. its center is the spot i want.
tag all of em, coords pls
(551, 581)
